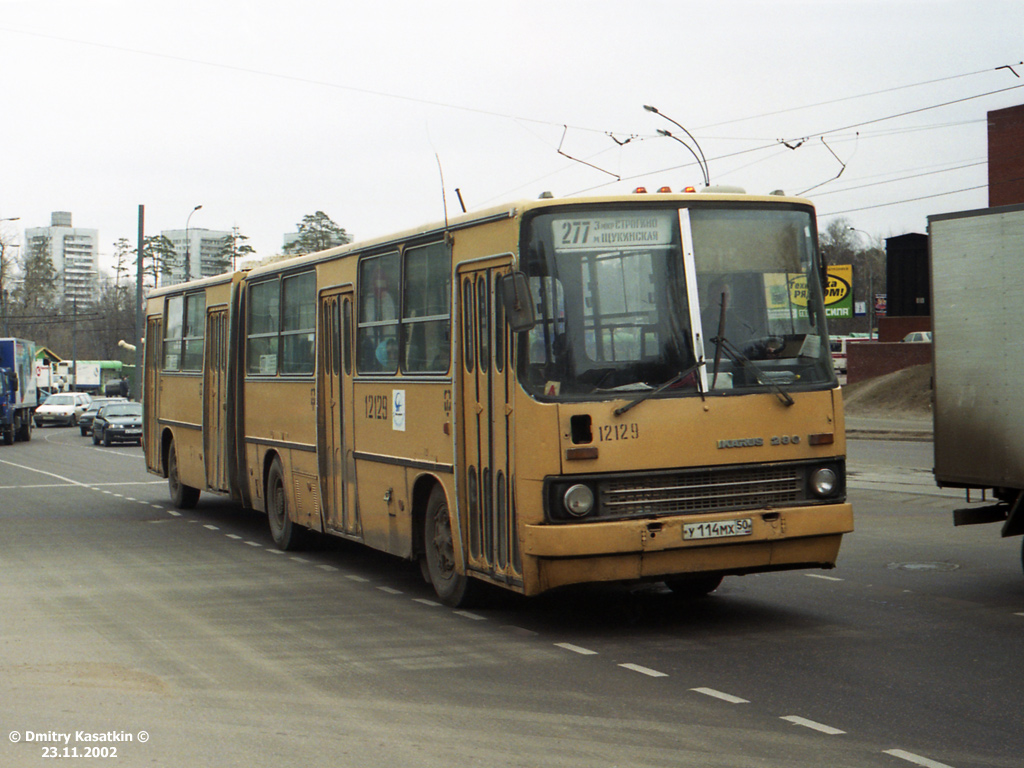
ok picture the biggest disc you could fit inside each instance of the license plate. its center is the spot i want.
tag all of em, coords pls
(720, 529)
(133, 431)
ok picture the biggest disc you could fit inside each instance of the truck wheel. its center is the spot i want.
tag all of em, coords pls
(453, 588)
(25, 433)
(285, 533)
(182, 496)
(8, 435)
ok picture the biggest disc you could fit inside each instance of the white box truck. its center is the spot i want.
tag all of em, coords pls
(977, 282)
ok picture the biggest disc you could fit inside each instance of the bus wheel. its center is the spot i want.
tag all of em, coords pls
(182, 496)
(697, 585)
(285, 533)
(453, 588)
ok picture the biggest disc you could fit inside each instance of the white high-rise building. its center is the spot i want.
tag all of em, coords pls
(74, 253)
(203, 249)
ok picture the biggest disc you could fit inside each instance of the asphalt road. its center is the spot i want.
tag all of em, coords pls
(120, 616)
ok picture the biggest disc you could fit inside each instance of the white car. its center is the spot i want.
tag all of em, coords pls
(918, 336)
(62, 408)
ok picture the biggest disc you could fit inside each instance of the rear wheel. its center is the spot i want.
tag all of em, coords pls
(182, 496)
(26, 430)
(453, 588)
(286, 534)
(697, 585)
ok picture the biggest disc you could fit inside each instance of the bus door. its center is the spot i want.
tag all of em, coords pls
(150, 391)
(486, 474)
(215, 405)
(334, 413)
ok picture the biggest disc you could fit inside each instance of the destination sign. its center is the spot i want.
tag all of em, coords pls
(616, 231)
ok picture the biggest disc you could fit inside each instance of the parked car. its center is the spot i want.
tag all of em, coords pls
(62, 408)
(85, 420)
(918, 336)
(118, 423)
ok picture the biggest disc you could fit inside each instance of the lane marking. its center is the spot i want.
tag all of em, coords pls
(820, 727)
(643, 670)
(211, 527)
(254, 544)
(719, 695)
(577, 649)
(424, 601)
(327, 568)
(232, 535)
(276, 551)
(172, 513)
(822, 577)
(353, 577)
(300, 559)
(910, 757)
(390, 590)
(471, 615)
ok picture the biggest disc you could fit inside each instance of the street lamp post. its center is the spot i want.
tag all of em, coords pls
(188, 260)
(3, 272)
(871, 286)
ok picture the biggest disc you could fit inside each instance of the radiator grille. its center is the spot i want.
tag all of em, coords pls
(706, 490)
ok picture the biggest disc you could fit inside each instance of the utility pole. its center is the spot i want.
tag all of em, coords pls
(139, 317)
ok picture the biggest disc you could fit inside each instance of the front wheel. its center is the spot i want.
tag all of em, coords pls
(286, 534)
(182, 496)
(452, 588)
(698, 585)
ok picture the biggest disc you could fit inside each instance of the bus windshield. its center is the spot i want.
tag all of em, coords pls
(723, 299)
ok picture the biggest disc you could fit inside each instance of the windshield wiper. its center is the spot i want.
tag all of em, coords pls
(722, 344)
(651, 393)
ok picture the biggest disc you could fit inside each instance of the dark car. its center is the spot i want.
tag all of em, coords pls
(85, 420)
(118, 423)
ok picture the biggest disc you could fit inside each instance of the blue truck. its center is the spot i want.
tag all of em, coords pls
(18, 397)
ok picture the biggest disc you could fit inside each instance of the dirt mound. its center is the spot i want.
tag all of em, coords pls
(903, 392)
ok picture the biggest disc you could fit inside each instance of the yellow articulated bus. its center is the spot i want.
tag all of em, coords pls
(555, 392)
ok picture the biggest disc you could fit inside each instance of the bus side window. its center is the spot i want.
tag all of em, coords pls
(377, 333)
(426, 346)
(298, 323)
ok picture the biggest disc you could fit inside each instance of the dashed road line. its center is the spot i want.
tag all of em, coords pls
(354, 577)
(820, 727)
(910, 757)
(720, 695)
(470, 615)
(390, 590)
(822, 576)
(643, 670)
(424, 601)
(577, 649)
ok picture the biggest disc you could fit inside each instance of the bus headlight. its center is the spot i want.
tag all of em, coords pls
(824, 482)
(578, 500)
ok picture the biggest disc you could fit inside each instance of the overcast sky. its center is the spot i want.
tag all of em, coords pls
(263, 112)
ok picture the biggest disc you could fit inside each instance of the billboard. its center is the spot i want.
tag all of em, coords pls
(785, 291)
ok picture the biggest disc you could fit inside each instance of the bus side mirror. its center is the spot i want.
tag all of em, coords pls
(518, 301)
